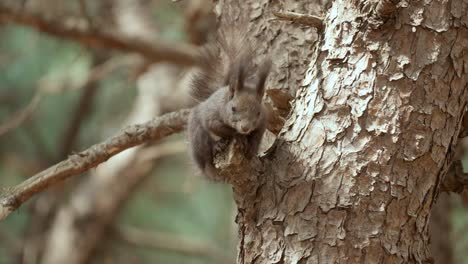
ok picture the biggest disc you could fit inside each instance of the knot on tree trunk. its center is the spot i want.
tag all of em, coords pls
(242, 173)
(234, 167)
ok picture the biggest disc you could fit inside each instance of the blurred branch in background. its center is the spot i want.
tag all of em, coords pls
(151, 153)
(81, 111)
(79, 213)
(84, 12)
(43, 209)
(160, 241)
(156, 51)
(84, 105)
(109, 187)
(104, 199)
(17, 118)
(158, 128)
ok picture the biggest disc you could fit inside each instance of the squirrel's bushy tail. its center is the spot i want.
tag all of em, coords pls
(218, 59)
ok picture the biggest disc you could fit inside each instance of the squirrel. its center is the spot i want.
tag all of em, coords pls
(230, 92)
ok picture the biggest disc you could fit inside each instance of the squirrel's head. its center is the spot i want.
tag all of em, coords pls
(244, 107)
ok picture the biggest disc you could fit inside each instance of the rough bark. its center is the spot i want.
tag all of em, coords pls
(357, 167)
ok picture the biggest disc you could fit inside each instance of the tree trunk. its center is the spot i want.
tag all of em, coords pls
(355, 171)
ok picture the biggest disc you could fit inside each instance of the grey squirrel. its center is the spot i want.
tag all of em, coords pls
(230, 92)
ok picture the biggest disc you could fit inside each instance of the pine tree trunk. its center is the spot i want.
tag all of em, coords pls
(355, 171)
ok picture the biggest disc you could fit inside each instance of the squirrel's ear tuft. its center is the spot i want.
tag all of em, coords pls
(240, 78)
(232, 88)
(237, 78)
(263, 72)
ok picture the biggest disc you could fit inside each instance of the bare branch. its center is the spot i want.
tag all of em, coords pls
(160, 241)
(183, 54)
(131, 136)
(304, 19)
(20, 116)
(100, 209)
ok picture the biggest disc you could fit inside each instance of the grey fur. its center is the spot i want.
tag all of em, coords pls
(233, 109)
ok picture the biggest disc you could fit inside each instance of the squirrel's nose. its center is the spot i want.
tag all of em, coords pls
(245, 129)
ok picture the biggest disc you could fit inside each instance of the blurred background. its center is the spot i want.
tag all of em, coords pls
(60, 94)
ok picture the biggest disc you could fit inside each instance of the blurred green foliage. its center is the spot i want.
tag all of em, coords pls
(32, 62)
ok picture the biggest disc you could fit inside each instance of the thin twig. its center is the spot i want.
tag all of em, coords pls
(114, 63)
(167, 242)
(304, 19)
(183, 54)
(20, 116)
(131, 136)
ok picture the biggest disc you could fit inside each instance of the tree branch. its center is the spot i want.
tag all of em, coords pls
(183, 54)
(100, 212)
(131, 136)
(20, 116)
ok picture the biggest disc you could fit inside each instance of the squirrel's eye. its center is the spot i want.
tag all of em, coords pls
(258, 114)
(233, 108)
